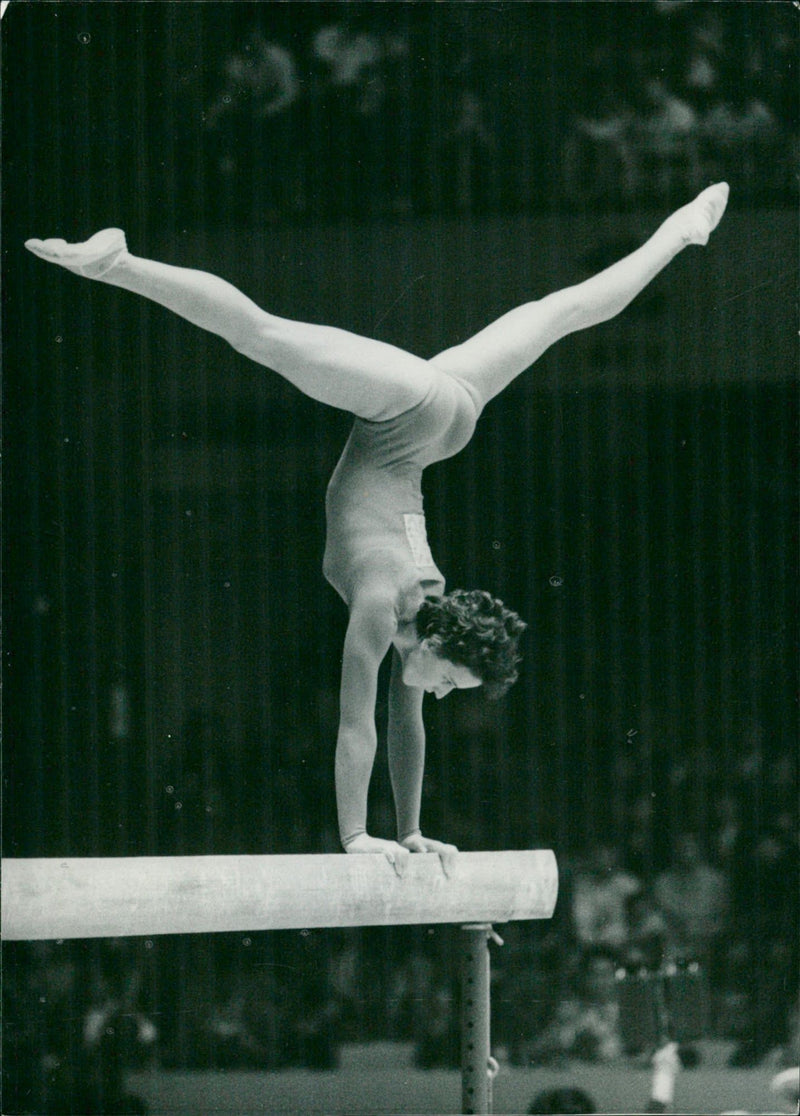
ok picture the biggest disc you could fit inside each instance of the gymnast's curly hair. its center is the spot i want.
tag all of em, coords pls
(477, 631)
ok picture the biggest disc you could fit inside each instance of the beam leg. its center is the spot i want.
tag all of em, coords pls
(477, 1068)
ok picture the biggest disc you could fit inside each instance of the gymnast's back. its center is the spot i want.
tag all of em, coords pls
(376, 533)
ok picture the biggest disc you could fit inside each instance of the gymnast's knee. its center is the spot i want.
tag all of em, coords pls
(256, 335)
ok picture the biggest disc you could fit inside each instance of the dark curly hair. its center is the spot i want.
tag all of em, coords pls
(475, 630)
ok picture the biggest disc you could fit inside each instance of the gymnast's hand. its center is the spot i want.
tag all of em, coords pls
(416, 843)
(394, 853)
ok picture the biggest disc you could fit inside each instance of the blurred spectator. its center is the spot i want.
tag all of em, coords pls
(527, 974)
(585, 1026)
(344, 975)
(785, 1086)
(72, 1030)
(262, 1002)
(251, 124)
(238, 1028)
(115, 1039)
(781, 787)
(666, 1068)
(600, 893)
(551, 1102)
(438, 1042)
(665, 135)
(260, 81)
(694, 898)
(422, 1002)
(666, 1064)
(353, 58)
(705, 57)
(706, 103)
(469, 149)
(598, 161)
(738, 135)
(767, 909)
(728, 829)
(411, 988)
(647, 931)
(115, 1004)
(351, 106)
(313, 994)
(642, 834)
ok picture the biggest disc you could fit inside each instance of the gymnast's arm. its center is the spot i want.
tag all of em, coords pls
(406, 746)
(369, 635)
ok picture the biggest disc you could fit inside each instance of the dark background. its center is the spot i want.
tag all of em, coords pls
(171, 650)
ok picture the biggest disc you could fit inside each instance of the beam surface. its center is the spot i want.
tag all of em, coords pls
(139, 896)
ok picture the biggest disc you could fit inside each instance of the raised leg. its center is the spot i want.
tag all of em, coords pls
(369, 378)
(498, 354)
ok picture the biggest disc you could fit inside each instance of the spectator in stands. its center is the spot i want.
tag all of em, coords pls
(704, 58)
(600, 893)
(728, 829)
(785, 1086)
(362, 107)
(559, 1102)
(237, 1029)
(642, 835)
(738, 134)
(250, 120)
(597, 158)
(694, 898)
(526, 976)
(585, 1026)
(766, 911)
(260, 81)
(353, 58)
(467, 153)
(352, 94)
(647, 931)
(664, 135)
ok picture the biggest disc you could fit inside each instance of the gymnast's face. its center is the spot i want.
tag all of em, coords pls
(424, 668)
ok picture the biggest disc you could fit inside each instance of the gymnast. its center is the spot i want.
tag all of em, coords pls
(409, 413)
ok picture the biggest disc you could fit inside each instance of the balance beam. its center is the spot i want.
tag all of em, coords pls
(102, 897)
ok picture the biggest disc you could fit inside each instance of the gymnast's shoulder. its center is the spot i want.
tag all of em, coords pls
(374, 607)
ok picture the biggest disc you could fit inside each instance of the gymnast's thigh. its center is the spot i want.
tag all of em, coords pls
(371, 379)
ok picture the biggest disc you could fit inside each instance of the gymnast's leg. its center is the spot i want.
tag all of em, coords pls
(369, 378)
(491, 359)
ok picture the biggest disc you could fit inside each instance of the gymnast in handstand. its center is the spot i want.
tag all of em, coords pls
(409, 413)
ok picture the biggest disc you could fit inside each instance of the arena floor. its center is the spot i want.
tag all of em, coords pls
(379, 1080)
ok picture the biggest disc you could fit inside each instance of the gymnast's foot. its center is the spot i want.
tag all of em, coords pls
(699, 218)
(92, 258)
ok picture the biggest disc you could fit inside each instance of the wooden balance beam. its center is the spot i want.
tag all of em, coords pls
(106, 897)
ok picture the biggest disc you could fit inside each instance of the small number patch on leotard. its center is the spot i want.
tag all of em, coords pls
(418, 540)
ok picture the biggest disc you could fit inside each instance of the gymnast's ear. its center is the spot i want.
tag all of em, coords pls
(432, 643)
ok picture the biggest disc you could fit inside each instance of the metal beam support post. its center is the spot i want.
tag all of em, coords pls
(477, 1065)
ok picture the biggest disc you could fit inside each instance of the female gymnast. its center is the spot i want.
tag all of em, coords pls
(409, 413)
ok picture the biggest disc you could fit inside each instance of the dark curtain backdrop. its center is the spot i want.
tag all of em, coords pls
(167, 624)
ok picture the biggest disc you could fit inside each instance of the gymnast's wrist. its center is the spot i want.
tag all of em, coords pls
(416, 832)
(348, 840)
